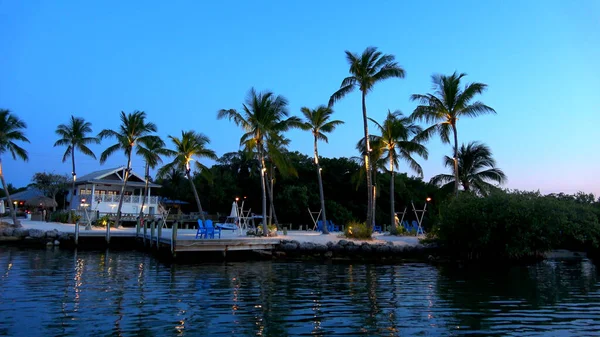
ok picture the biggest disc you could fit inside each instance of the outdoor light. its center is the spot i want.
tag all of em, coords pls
(237, 199)
(428, 199)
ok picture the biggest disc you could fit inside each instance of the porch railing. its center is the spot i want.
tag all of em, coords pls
(128, 199)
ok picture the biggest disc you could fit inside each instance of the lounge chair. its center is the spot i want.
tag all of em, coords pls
(377, 228)
(333, 227)
(212, 230)
(201, 230)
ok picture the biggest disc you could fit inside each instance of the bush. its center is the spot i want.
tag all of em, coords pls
(515, 225)
(63, 217)
(357, 230)
(398, 230)
(103, 221)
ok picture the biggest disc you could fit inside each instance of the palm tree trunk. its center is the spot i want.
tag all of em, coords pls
(321, 194)
(74, 177)
(392, 205)
(374, 197)
(189, 176)
(122, 196)
(370, 220)
(11, 206)
(456, 182)
(145, 191)
(263, 170)
(272, 213)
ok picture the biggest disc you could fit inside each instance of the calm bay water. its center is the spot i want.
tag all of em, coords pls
(65, 293)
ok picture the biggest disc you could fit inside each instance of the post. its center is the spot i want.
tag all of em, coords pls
(108, 232)
(159, 233)
(152, 225)
(174, 237)
(76, 233)
(137, 227)
(145, 233)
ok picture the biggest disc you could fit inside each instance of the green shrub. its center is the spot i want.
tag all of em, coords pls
(515, 225)
(357, 230)
(103, 221)
(398, 230)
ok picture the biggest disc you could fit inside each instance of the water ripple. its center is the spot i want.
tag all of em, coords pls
(65, 293)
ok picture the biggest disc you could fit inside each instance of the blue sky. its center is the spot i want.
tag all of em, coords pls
(182, 61)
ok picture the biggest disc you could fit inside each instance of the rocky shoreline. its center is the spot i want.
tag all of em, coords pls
(33, 236)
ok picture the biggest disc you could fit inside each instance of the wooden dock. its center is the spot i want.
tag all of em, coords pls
(176, 240)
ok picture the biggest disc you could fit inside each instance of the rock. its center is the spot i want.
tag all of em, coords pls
(62, 236)
(52, 234)
(320, 248)
(330, 244)
(344, 243)
(49, 244)
(36, 233)
(351, 248)
(397, 249)
(56, 243)
(382, 249)
(290, 246)
(328, 254)
(307, 246)
(8, 231)
(337, 248)
(365, 247)
(20, 232)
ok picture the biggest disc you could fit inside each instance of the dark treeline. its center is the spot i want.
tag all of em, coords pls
(234, 175)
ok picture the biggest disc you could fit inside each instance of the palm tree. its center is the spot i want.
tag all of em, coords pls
(262, 116)
(11, 130)
(378, 163)
(365, 71)
(476, 167)
(446, 105)
(318, 122)
(397, 142)
(188, 148)
(133, 129)
(277, 158)
(151, 149)
(74, 136)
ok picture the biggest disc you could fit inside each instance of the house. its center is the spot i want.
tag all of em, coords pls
(100, 192)
(20, 198)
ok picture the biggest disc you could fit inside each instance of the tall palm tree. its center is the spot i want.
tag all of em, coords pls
(11, 130)
(397, 141)
(133, 129)
(277, 158)
(188, 148)
(446, 106)
(476, 167)
(75, 136)
(318, 122)
(378, 163)
(366, 70)
(262, 116)
(151, 149)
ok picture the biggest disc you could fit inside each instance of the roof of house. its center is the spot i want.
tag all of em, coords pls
(113, 176)
(29, 193)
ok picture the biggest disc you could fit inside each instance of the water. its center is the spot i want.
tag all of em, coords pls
(64, 293)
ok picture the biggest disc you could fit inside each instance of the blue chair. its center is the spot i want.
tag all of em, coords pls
(406, 225)
(333, 227)
(212, 230)
(320, 226)
(418, 229)
(202, 232)
(377, 228)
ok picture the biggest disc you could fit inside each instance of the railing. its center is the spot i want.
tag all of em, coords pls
(128, 199)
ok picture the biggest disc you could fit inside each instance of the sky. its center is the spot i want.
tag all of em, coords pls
(182, 61)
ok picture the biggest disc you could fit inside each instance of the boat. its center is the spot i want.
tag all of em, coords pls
(232, 221)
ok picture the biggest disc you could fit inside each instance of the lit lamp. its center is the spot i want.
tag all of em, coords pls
(428, 199)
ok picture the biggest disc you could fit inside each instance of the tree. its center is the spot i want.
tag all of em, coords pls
(74, 136)
(188, 148)
(262, 116)
(445, 106)
(50, 184)
(476, 167)
(151, 149)
(277, 158)
(11, 130)
(397, 141)
(133, 129)
(365, 71)
(318, 122)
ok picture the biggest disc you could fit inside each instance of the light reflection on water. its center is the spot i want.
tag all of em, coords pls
(65, 293)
